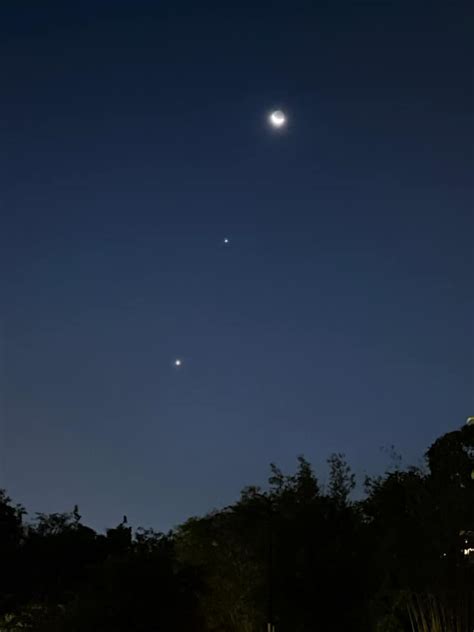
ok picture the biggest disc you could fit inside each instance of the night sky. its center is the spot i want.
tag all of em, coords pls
(134, 140)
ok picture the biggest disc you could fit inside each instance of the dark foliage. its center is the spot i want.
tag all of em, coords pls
(293, 553)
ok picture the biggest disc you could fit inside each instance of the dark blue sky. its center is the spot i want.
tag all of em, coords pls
(339, 318)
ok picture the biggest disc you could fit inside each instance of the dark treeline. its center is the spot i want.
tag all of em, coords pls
(293, 553)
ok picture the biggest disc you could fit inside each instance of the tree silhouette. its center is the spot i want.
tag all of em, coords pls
(290, 553)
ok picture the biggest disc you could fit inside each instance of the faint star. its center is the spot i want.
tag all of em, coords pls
(177, 362)
(226, 241)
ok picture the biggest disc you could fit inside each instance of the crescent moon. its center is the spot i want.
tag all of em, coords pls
(277, 118)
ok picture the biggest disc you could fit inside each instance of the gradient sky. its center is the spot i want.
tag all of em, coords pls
(339, 318)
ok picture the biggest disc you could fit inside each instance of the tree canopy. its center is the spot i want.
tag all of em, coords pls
(295, 553)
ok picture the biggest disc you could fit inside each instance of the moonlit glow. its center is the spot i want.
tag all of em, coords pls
(277, 118)
(226, 241)
(177, 362)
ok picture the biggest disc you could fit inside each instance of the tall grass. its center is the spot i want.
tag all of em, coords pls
(432, 614)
